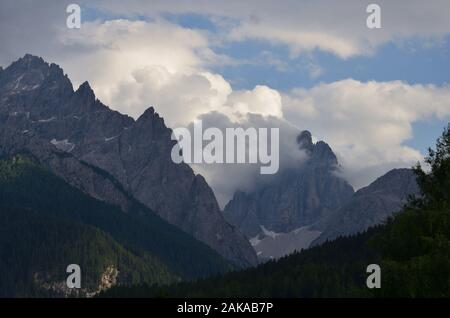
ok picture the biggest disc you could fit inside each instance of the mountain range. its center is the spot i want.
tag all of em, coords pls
(312, 203)
(411, 249)
(371, 205)
(82, 183)
(108, 155)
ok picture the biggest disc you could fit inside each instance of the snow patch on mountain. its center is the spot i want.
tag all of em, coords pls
(111, 138)
(272, 245)
(47, 120)
(268, 233)
(63, 145)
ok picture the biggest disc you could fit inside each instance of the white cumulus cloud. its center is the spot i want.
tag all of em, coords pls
(367, 123)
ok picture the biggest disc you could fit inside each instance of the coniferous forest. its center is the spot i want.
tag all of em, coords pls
(46, 224)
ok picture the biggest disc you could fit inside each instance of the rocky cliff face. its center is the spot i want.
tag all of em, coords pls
(40, 111)
(370, 205)
(297, 198)
(46, 282)
(93, 181)
(310, 205)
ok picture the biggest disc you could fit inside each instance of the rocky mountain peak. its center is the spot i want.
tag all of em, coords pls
(31, 64)
(86, 92)
(149, 113)
(152, 123)
(324, 154)
(304, 141)
(370, 205)
(30, 74)
(319, 152)
(37, 98)
(30, 61)
(298, 197)
(398, 182)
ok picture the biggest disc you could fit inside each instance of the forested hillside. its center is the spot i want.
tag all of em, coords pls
(35, 252)
(413, 250)
(45, 221)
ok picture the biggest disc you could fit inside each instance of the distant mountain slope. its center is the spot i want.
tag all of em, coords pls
(25, 185)
(273, 245)
(413, 251)
(37, 102)
(293, 201)
(298, 197)
(312, 204)
(35, 251)
(370, 205)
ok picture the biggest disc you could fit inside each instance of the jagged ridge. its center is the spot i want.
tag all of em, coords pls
(37, 99)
